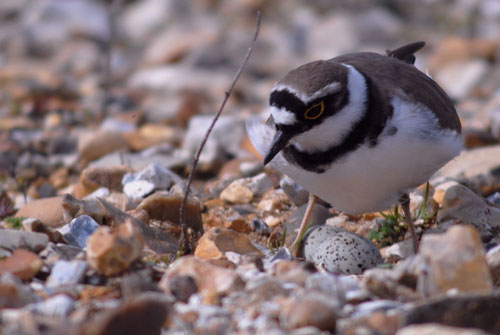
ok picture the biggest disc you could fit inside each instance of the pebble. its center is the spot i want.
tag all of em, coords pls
(182, 287)
(13, 293)
(453, 261)
(458, 78)
(97, 144)
(310, 311)
(111, 251)
(55, 252)
(477, 169)
(208, 278)
(217, 241)
(155, 174)
(59, 306)
(15, 239)
(23, 264)
(36, 226)
(294, 191)
(79, 230)
(165, 207)
(144, 314)
(138, 189)
(339, 251)
(237, 193)
(73, 208)
(66, 273)
(137, 282)
(463, 205)
(493, 260)
(402, 250)
(47, 210)
(388, 284)
(92, 178)
(338, 286)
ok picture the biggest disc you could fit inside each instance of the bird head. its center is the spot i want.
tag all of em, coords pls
(308, 106)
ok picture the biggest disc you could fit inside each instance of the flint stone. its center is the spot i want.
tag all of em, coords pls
(79, 230)
(67, 273)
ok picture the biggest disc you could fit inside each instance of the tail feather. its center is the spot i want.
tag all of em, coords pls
(406, 52)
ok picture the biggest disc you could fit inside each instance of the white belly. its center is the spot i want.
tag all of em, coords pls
(372, 179)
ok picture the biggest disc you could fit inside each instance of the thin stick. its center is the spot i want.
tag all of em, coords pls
(107, 80)
(183, 241)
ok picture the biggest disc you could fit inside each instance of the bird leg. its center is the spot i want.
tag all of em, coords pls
(404, 201)
(303, 225)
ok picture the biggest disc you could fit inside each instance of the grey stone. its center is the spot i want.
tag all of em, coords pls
(403, 249)
(60, 305)
(138, 189)
(462, 204)
(294, 191)
(369, 307)
(67, 273)
(332, 284)
(19, 295)
(79, 230)
(259, 184)
(55, 252)
(11, 239)
(153, 177)
(493, 260)
(340, 251)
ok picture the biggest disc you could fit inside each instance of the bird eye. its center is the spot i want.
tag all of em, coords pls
(315, 111)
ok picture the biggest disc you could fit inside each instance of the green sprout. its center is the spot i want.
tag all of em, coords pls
(14, 222)
(390, 229)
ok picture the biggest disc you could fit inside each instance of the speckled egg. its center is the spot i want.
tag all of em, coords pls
(339, 251)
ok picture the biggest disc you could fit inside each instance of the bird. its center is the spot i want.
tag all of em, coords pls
(359, 131)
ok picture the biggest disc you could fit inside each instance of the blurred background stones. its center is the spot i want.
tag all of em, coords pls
(103, 104)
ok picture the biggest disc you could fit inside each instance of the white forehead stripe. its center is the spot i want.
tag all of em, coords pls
(328, 89)
(333, 130)
(282, 116)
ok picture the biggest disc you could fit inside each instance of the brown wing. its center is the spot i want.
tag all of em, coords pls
(392, 75)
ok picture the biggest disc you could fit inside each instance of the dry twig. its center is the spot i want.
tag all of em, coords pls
(184, 240)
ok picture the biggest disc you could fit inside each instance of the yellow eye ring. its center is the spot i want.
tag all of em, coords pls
(312, 113)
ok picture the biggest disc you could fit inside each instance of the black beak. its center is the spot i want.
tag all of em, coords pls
(280, 140)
